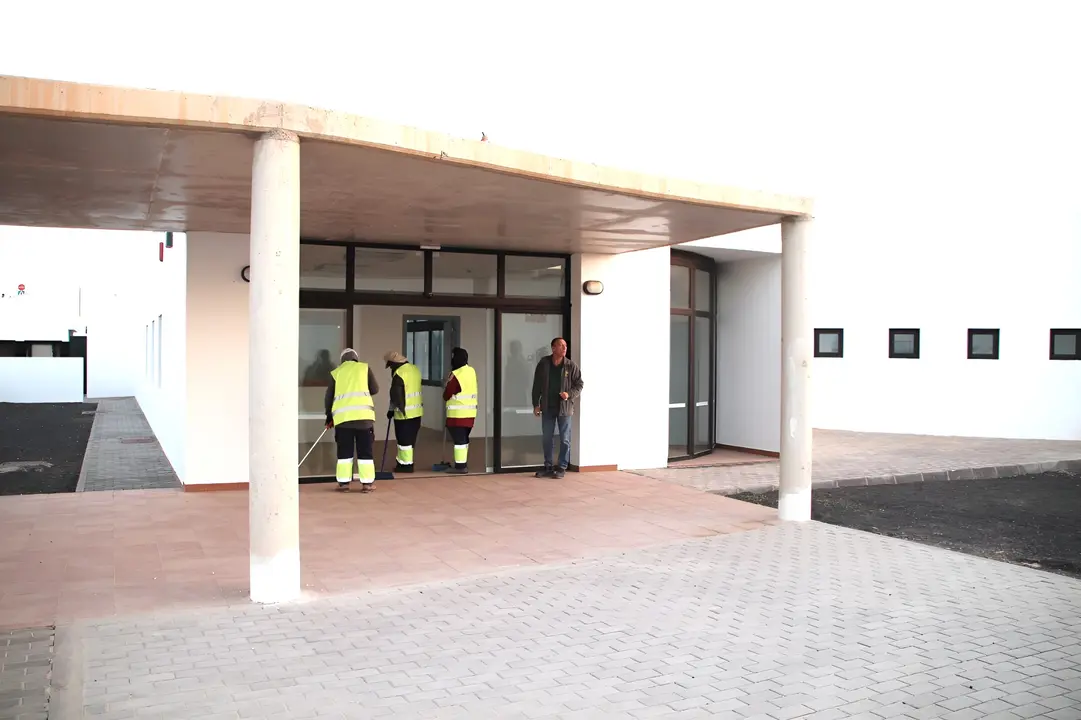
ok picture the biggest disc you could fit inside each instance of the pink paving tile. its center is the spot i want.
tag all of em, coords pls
(96, 554)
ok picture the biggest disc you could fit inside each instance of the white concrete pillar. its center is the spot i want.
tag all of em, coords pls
(796, 352)
(274, 306)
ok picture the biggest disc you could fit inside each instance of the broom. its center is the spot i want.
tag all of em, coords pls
(382, 475)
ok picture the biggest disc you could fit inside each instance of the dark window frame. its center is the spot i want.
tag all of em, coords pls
(499, 303)
(915, 354)
(840, 333)
(1076, 355)
(424, 326)
(994, 333)
(695, 261)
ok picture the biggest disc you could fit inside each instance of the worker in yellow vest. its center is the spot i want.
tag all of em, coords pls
(351, 412)
(406, 407)
(460, 394)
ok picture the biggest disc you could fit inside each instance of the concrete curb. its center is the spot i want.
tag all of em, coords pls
(66, 687)
(981, 473)
(81, 486)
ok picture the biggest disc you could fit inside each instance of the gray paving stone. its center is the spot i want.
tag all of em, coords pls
(112, 464)
(772, 622)
(844, 459)
(25, 664)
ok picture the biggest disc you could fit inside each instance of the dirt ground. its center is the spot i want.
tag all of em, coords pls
(52, 433)
(1034, 520)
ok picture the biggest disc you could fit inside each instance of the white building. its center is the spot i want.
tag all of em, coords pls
(420, 242)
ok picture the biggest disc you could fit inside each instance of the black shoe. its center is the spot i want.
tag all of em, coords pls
(559, 474)
(459, 470)
(403, 468)
(545, 473)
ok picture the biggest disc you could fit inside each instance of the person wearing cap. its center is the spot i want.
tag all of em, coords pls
(406, 407)
(351, 412)
(460, 395)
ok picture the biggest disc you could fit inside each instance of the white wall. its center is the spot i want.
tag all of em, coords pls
(41, 379)
(620, 339)
(158, 365)
(215, 398)
(749, 354)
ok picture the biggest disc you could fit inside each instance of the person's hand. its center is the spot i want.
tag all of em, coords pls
(536, 411)
(564, 395)
(328, 426)
(390, 414)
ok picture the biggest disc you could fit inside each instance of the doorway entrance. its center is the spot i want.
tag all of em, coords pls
(503, 308)
(692, 378)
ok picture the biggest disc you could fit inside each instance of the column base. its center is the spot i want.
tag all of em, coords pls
(794, 506)
(277, 579)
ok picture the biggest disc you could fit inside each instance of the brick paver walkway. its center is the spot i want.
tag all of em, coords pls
(848, 458)
(113, 462)
(25, 662)
(795, 620)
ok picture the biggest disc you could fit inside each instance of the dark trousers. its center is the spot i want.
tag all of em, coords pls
(358, 440)
(405, 433)
(459, 436)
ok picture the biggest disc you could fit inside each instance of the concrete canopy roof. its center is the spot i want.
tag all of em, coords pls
(90, 156)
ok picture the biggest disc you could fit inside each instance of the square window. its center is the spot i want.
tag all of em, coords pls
(1066, 344)
(829, 342)
(905, 343)
(982, 344)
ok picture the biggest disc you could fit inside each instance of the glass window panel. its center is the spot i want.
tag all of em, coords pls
(436, 345)
(1065, 344)
(678, 385)
(983, 344)
(464, 273)
(702, 290)
(322, 267)
(535, 276)
(681, 286)
(322, 338)
(904, 343)
(703, 403)
(389, 270)
(527, 338)
(829, 343)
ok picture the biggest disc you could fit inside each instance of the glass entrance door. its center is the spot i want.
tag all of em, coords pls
(692, 382)
(525, 338)
(322, 338)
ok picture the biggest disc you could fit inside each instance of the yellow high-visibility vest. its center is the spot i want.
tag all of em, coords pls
(464, 404)
(414, 403)
(352, 398)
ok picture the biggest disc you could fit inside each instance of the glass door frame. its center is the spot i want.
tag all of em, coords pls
(500, 302)
(694, 262)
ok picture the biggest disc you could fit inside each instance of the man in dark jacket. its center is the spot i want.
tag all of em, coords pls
(557, 383)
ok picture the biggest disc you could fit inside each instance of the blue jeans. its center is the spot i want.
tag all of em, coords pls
(549, 422)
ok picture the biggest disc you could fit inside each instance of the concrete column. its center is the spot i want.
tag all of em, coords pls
(274, 306)
(796, 353)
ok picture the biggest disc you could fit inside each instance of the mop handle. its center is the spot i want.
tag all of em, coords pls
(313, 446)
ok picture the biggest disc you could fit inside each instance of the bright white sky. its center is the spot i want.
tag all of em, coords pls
(868, 106)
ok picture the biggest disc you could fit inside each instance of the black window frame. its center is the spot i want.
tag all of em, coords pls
(915, 333)
(840, 333)
(994, 333)
(500, 304)
(435, 375)
(1076, 355)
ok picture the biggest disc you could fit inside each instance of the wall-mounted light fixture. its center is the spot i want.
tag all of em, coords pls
(592, 287)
